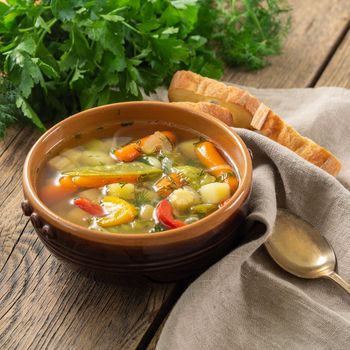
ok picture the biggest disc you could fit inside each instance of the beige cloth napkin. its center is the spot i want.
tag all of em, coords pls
(245, 301)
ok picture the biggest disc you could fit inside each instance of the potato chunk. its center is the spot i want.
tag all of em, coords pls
(146, 212)
(93, 194)
(95, 158)
(61, 163)
(124, 191)
(187, 148)
(215, 193)
(72, 154)
(183, 199)
(97, 145)
(77, 216)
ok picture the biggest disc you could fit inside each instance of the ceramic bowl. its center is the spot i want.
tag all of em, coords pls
(161, 256)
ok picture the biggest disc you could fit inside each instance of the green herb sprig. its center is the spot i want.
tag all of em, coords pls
(59, 57)
(246, 32)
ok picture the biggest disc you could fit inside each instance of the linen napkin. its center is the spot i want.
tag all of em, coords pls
(245, 301)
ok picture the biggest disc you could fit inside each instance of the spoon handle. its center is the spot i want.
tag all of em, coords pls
(339, 280)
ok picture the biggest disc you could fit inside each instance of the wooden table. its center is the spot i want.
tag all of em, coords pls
(44, 305)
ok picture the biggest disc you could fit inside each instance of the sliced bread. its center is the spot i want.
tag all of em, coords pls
(248, 112)
(213, 110)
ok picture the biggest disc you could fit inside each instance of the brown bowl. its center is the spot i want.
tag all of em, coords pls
(162, 256)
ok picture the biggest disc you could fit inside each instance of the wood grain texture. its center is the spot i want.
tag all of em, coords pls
(337, 72)
(12, 221)
(11, 134)
(316, 25)
(45, 305)
(153, 343)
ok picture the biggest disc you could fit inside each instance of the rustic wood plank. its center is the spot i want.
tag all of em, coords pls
(11, 134)
(337, 72)
(316, 25)
(46, 305)
(153, 343)
(12, 221)
(150, 338)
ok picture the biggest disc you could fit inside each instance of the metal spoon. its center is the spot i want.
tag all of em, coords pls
(301, 250)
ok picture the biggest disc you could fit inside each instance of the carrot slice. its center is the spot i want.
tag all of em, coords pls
(209, 156)
(233, 182)
(67, 183)
(129, 152)
(133, 150)
(99, 181)
(170, 136)
(54, 193)
(168, 183)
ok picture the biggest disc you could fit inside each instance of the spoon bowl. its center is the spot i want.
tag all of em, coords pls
(301, 250)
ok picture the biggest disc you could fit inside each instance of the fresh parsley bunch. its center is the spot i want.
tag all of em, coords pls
(61, 56)
(245, 32)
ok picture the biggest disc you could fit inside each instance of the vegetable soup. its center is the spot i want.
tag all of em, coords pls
(158, 181)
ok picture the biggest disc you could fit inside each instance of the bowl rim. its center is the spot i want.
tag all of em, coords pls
(187, 232)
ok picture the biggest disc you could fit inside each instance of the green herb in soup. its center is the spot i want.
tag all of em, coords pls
(151, 184)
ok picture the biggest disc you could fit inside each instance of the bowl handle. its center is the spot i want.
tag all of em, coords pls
(37, 223)
(26, 208)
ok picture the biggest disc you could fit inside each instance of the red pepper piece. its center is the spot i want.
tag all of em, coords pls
(88, 206)
(165, 215)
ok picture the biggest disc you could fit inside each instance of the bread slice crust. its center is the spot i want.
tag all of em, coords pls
(247, 112)
(212, 109)
(276, 129)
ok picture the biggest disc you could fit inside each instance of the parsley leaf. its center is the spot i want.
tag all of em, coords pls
(62, 56)
(245, 32)
(9, 113)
